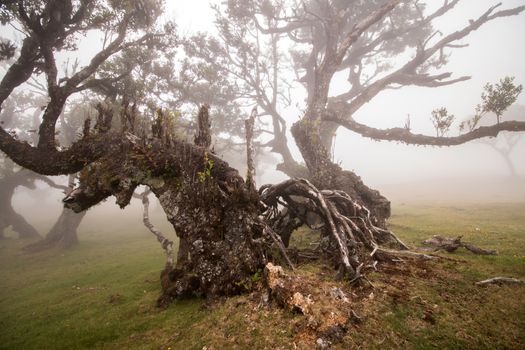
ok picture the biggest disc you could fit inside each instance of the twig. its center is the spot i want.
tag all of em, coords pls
(277, 240)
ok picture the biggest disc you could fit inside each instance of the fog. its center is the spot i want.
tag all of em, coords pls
(470, 172)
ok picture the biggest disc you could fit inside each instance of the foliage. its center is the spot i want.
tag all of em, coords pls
(7, 49)
(497, 98)
(442, 121)
(471, 124)
(208, 165)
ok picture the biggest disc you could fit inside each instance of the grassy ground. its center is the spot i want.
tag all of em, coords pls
(102, 294)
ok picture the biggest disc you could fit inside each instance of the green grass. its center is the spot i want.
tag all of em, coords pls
(62, 300)
(465, 316)
(102, 293)
(490, 226)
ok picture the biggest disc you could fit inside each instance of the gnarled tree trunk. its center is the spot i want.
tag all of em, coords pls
(324, 174)
(222, 222)
(219, 250)
(214, 213)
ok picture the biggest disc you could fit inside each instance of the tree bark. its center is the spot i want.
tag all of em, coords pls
(210, 207)
(217, 253)
(326, 175)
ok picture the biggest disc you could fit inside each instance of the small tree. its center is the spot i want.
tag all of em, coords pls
(505, 143)
(498, 98)
(441, 121)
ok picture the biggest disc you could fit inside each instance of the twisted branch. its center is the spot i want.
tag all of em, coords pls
(166, 244)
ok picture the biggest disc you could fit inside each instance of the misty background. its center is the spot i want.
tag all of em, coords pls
(471, 172)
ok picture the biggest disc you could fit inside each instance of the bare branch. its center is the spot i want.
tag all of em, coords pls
(363, 25)
(94, 84)
(500, 281)
(99, 58)
(405, 136)
(399, 76)
(166, 244)
(53, 162)
(21, 70)
(51, 183)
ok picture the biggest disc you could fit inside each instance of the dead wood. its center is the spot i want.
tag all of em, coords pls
(203, 137)
(327, 308)
(500, 281)
(250, 173)
(167, 245)
(396, 255)
(452, 244)
(285, 289)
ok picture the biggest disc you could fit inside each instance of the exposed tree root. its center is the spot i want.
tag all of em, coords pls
(268, 231)
(500, 281)
(346, 226)
(452, 244)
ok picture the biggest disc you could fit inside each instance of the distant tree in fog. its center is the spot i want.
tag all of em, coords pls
(505, 143)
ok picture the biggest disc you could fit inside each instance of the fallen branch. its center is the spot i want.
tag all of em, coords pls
(500, 281)
(389, 254)
(477, 250)
(452, 244)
